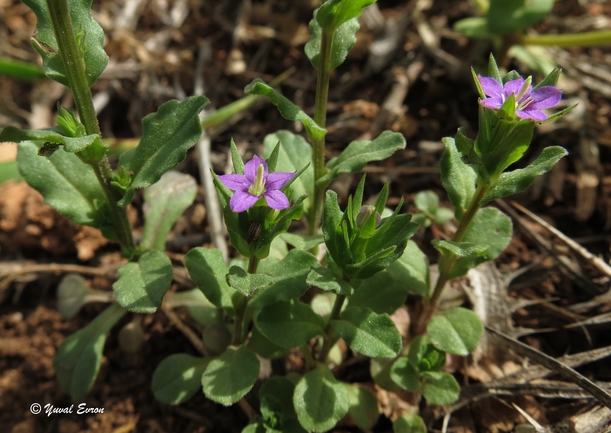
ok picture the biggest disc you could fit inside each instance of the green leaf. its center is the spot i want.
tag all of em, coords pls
(178, 377)
(238, 164)
(167, 136)
(333, 13)
(208, 270)
(359, 153)
(439, 387)
(326, 279)
(412, 270)
(405, 375)
(380, 293)
(289, 276)
(71, 144)
(255, 428)
(409, 423)
(142, 285)
(517, 181)
(344, 39)
(289, 323)
(294, 153)
(320, 400)
(380, 369)
(457, 177)
(368, 333)
(247, 283)
(73, 293)
(489, 227)
(424, 356)
(363, 406)
(426, 201)
(287, 109)
(78, 358)
(200, 308)
(230, 376)
(68, 185)
(508, 16)
(456, 331)
(469, 255)
(24, 71)
(282, 389)
(263, 346)
(322, 304)
(473, 27)
(164, 203)
(91, 40)
(303, 242)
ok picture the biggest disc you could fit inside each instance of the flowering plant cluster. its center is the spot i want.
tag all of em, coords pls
(355, 266)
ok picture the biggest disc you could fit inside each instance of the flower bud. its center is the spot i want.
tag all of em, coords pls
(364, 215)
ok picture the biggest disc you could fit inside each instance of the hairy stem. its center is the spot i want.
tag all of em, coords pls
(77, 79)
(320, 117)
(447, 264)
(328, 341)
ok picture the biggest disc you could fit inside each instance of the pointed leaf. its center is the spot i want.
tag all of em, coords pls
(289, 323)
(142, 285)
(164, 203)
(412, 270)
(167, 136)
(208, 270)
(230, 376)
(457, 177)
(302, 242)
(178, 377)
(359, 153)
(344, 39)
(78, 359)
(368, 333)
(456, 331)
(510, 15)
(247, 283)
(326, 279)
(333, 13)
(517, 181)
(68, 185)
(70, 144)
(287, 109)
(289, 276)
(320, 400)
(87, 30)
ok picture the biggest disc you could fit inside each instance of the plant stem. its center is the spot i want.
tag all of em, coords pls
(307, 357)
(320, 117)
(447, 264)
(328, 341)
(586, 39)
(77, 79)
(240, 325)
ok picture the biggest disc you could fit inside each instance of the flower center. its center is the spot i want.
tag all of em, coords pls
(521, 105)
(258, 186)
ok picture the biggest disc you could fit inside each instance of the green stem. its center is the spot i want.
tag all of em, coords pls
(448, 263)
(79, 84)
(307, 357)
(586, 39)
(328, 341)
(241, 321)
(320, 117)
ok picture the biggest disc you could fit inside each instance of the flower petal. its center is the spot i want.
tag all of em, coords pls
(536, 115)
(235, 182)
(276, 199)
(250, 168)
(492, 103)
(240, 201)
(491, 87)
(545, 97)
(514, 86)
(278, 179)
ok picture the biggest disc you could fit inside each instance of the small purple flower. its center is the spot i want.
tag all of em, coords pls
(529, 102)
(255, 184)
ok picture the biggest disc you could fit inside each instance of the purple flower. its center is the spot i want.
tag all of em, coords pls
(529, 102)
(255, 184)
